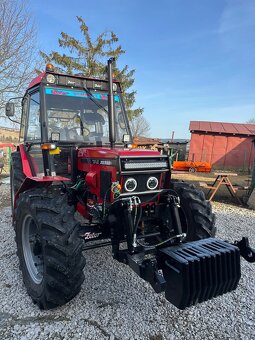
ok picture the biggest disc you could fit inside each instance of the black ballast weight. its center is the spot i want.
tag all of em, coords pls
(200, 270)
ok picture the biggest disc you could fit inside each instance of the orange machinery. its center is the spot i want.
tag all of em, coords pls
(192, 166)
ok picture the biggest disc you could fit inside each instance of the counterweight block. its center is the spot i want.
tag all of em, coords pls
(199, 270)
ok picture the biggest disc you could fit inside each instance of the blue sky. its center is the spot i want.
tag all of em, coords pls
(194, 60)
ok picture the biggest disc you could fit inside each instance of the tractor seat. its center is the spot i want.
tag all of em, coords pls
(91, 118)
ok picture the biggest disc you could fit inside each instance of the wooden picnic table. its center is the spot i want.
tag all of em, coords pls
(222, 178)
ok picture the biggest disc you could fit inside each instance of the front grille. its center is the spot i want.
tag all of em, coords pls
(141, 169)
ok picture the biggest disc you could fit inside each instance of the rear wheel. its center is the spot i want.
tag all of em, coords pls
(48, 247)
(197, 218)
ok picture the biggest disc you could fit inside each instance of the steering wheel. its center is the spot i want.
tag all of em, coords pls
(71, 133)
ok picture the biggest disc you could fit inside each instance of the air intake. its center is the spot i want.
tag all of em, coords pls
(199, 270)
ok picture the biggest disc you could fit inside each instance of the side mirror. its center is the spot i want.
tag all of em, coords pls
(9, 109)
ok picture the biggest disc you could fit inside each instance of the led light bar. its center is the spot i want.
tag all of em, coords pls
(151, 165)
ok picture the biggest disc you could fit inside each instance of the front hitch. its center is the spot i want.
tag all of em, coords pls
(199, 271)
(246, 251)
(192, 272)
(189, 273)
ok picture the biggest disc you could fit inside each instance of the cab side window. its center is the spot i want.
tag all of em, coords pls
(33, 126)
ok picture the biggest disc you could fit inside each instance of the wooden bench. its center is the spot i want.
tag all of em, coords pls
(206, 186)
(222, 178)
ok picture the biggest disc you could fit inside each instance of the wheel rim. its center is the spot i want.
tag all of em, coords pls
(32, 249)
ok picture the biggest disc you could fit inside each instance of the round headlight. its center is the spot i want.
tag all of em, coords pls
(152, 183)
(50, 78)
(130, 184)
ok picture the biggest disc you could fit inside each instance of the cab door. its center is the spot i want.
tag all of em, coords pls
(30, 131)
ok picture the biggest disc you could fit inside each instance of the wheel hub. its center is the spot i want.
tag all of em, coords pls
(32, 249)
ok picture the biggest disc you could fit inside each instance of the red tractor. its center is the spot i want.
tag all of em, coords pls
(76, 184)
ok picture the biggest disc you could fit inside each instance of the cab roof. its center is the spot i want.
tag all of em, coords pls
(38, 79)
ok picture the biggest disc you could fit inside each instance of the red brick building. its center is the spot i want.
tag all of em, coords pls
(224, 145)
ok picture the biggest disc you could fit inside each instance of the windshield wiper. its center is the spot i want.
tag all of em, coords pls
(93, 100)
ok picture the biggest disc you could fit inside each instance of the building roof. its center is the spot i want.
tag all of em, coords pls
(146, 141)
(175, 140)
(223, 128)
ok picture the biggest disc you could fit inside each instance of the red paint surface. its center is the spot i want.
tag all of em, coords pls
(7, 145)
(110, 155)
(223, 151)
(113, 153)
(25, 163)
(91, 179)
(37, 80)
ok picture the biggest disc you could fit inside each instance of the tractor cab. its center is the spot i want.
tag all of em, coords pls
(63, 112)
(74, 110)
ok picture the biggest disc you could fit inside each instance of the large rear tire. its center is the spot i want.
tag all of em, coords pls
(48, 247)
(197, 218)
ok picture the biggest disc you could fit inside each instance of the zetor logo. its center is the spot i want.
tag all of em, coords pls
(89, 235)
(97, 85)
(59, 93)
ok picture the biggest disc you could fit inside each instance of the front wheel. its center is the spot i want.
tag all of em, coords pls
(48, 247)
(197, 218)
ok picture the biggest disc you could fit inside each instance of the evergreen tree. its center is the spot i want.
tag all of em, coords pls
(89, 58)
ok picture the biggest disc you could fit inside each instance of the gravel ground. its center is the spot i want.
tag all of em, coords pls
(116, 304)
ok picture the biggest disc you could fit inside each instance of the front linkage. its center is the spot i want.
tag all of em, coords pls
(189, 272)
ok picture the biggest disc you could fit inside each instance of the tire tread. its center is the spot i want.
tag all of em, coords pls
(63, 259)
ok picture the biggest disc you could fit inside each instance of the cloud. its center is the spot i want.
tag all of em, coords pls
(237, 15)
(237, 26)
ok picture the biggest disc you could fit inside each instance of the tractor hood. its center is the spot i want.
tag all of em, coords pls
(114, 153)
(103, 166)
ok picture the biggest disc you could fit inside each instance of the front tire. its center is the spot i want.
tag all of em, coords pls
(48, 247)
(197, 218)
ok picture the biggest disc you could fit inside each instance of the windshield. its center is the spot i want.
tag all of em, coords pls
(74, 116)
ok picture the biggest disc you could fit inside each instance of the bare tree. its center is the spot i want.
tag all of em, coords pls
(17, 49)
(140, 127)
(251, 121)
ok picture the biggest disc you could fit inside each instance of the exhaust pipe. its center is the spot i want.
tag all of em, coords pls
(111, 107)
